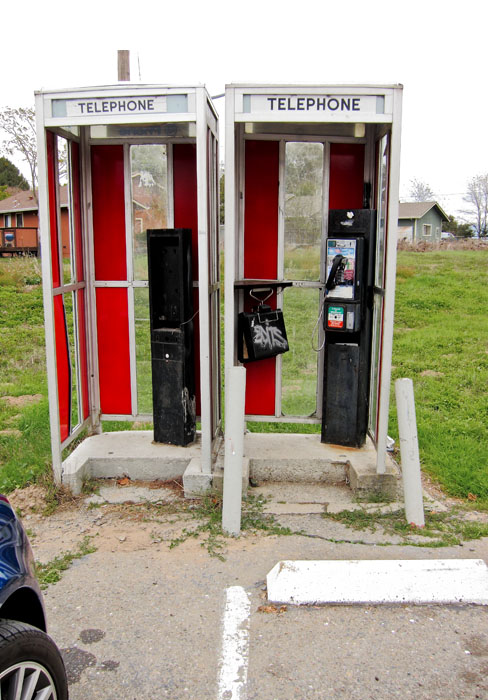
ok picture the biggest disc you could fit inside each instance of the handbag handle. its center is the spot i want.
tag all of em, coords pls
(252, 293)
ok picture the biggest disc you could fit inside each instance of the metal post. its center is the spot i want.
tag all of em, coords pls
(203, 280)
(235, 386)
(409, 449)
(390, 281)
(123, 65)
(47, 289)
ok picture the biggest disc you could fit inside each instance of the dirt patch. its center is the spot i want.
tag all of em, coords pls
(445, 244)
(175, 485)
(24, 400)
(431, 373)
(31, 499)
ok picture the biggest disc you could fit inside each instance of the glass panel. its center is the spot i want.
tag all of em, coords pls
(215, 338)
(213, 224)
(375, 364)
(299, 368)
(143, 350)
(382, 205)
(64, 210)
(70, 306)
(303, 210)
(149, 182)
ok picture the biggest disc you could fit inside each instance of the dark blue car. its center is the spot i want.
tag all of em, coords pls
(31, 667)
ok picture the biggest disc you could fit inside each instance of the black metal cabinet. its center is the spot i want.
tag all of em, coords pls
(171, 324)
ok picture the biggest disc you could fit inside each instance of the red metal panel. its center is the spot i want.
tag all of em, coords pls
(63, 366)
(53, 206)
(185, 194)
(113, 350)
(186, 216)
(346, 176)
(261, 210)
(261, 256)
(109, 212)
(82, 350)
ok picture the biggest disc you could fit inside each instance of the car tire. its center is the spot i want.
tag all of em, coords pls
(29, 659)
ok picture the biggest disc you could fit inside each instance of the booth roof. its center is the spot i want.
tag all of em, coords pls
(416, 210)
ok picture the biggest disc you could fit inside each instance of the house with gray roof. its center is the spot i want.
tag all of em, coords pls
(420, 221)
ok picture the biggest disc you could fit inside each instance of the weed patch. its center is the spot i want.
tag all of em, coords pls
(441, 529)
(208, 513)
(52, 571)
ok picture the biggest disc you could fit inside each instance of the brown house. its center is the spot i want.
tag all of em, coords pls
(19, 224)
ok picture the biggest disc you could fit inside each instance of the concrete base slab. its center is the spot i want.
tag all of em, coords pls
(218, 475)
(131, 453)
(195, 482)
(268, 457)
(446, 581)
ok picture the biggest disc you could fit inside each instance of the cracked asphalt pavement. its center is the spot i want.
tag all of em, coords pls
(139, 618)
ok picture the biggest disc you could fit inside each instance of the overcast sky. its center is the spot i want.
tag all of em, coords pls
(437, 50)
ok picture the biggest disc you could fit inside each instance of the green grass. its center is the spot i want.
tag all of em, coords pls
(26, 458)
(441, 343)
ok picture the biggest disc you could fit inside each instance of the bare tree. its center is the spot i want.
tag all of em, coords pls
(477, 200)
(20, 126)
(421, 191)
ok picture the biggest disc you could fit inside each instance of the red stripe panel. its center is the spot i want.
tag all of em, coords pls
(109, 212)
(53, 214)
(186, 216)
(261, 255)
(63, 368)
(185, 194)
(113, 350)
(346, 175)
(82, 349)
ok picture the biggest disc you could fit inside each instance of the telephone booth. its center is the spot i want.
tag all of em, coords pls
(312, 176)
(132, 159)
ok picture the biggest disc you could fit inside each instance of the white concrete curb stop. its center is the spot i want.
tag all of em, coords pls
(444, 581)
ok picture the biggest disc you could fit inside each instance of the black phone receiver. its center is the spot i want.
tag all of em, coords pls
(336, 264)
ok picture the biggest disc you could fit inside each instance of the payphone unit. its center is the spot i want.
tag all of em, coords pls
(347, 325)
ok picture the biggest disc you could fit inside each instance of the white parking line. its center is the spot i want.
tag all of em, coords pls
(235, 645)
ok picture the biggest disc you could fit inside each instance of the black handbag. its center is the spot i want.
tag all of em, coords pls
(261, 334)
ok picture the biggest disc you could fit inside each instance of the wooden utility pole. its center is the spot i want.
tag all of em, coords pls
(123, 65)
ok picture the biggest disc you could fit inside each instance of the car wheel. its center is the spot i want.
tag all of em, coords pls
(31, 666)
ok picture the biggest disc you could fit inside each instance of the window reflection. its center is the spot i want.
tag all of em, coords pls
(303, 210)
(149, 184)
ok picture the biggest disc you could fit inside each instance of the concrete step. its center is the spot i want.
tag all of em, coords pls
(285, 457)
